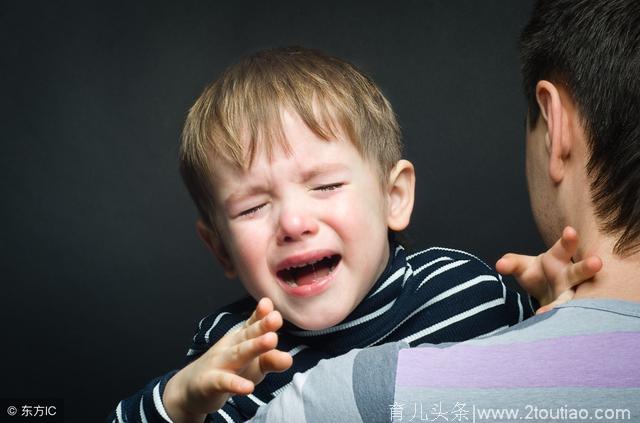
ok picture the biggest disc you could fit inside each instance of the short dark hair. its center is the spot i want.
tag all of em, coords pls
(592, 48)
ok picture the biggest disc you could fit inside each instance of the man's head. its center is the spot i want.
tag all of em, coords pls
(580, 65)
(293, 160)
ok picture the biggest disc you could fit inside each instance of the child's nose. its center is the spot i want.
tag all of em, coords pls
(295, 225)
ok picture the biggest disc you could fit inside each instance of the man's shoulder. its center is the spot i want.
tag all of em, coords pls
(579, 332)
(361, 384)
(610, 306)
(576, 318)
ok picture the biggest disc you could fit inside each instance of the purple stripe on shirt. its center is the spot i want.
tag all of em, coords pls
(609, 360)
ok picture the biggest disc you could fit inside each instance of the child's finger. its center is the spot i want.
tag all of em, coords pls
(230, 382)
(582, 271)
(264, 307)
(270, 323)
(566, 246)
(275, 361)
(245, 351)
(562, 298)
(513, 264)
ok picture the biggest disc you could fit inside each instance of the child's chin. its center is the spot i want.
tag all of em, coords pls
(318, 324)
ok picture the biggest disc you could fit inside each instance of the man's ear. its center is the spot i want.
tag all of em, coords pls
(555, 114)
(402, 182)
(211, 238)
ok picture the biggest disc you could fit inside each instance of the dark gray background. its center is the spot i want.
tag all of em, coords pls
(103, 276)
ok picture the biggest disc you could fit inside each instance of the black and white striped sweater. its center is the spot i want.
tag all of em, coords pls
(435, 295)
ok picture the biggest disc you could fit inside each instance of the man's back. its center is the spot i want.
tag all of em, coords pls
(578, 362)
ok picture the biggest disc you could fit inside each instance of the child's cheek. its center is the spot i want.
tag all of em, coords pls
(350, 216)
(249, 241)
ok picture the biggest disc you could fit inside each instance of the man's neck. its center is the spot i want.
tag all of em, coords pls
(619, 277)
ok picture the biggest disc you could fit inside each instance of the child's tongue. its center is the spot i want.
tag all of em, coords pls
(311, 273)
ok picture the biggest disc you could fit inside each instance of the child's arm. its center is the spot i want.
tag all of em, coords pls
(233, 365)
(550, 276)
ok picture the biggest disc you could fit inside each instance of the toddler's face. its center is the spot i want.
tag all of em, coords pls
(306, 229)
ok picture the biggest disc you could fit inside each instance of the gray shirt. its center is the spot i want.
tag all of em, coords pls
(578, 362)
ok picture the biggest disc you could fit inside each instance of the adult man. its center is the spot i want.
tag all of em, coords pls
(581, 61)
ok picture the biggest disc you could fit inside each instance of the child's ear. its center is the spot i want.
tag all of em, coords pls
(212, 240)
(400, 191)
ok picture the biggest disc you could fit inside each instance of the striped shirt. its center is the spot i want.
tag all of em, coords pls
(578, 362)
(435, 295)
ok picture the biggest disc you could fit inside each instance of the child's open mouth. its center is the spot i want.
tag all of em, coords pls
(309, 273)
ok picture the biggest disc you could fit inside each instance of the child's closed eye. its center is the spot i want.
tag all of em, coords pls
(329, 187)
(252, 210)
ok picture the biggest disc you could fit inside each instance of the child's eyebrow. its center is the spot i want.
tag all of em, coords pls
(322, 169)
(243, 193)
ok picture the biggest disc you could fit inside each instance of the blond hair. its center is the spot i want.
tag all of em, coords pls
(245, 103)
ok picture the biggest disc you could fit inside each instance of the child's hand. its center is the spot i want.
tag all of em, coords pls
(551, 276)
(232, 366)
